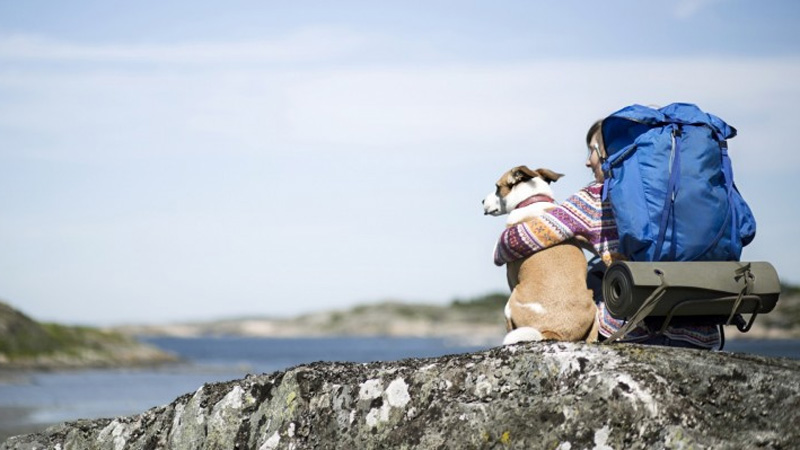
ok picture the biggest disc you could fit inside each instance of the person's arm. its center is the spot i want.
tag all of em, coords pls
(582, 214)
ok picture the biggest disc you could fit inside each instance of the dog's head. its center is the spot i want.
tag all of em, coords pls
(517, 185)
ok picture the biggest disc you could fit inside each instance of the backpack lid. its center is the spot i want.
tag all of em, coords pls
(623, 125)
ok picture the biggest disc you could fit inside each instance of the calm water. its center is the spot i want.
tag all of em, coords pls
(42, 398)
(46, 398)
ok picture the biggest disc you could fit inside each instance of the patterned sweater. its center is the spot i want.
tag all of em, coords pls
(585, 214)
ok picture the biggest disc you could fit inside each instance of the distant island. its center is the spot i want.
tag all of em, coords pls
(474, 320)
(28, 344)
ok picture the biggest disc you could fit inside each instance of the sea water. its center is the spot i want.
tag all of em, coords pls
(41, 398)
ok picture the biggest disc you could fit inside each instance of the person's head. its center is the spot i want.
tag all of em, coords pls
(597, 151)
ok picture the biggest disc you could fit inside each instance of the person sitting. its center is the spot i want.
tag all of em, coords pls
(586, 215)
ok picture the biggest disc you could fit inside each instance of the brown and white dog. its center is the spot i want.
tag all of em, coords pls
(549, 298)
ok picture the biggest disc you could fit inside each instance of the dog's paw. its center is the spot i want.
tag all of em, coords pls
(522, 334)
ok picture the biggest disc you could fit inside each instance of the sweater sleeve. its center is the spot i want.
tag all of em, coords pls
(582, 214)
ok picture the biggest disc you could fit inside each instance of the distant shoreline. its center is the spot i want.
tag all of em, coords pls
(479, 319)
(476, 336)
(396, 327)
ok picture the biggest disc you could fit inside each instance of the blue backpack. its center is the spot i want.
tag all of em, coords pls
(670, 182)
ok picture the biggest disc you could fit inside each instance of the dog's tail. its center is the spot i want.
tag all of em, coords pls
(522, 334)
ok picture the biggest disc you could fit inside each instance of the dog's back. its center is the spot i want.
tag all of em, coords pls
(549, 294)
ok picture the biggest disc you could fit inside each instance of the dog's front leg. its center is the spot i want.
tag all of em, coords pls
(512, 273)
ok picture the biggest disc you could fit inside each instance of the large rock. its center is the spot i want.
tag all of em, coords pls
(540, 395)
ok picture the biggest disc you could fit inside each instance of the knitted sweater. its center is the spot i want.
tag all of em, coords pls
(585, 214)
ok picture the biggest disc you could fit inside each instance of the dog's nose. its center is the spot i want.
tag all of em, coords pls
(483, 201)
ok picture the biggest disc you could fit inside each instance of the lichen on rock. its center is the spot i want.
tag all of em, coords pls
(536, 395)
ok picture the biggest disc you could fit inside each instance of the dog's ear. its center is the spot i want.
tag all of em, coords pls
(521, 173)
(548, 175)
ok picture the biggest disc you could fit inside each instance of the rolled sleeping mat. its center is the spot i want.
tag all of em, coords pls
(693, 288)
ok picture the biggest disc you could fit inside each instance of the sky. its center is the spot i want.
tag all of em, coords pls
(194, 160)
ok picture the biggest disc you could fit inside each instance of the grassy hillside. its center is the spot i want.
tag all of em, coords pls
(481, 305)
(26, 343)
(478, 317)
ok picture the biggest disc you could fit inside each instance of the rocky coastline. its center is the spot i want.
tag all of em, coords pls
(26, 344)
(537, 395)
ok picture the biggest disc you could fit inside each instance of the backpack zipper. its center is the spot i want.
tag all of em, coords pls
(676, 132)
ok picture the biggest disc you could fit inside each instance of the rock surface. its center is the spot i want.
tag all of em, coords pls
(538, 395)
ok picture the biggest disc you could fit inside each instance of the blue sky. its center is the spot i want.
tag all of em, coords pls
(195, 160)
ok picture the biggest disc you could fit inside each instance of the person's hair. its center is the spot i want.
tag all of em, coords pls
(595, 129)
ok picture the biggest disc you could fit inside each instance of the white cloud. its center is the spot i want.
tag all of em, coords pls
(449, 110)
